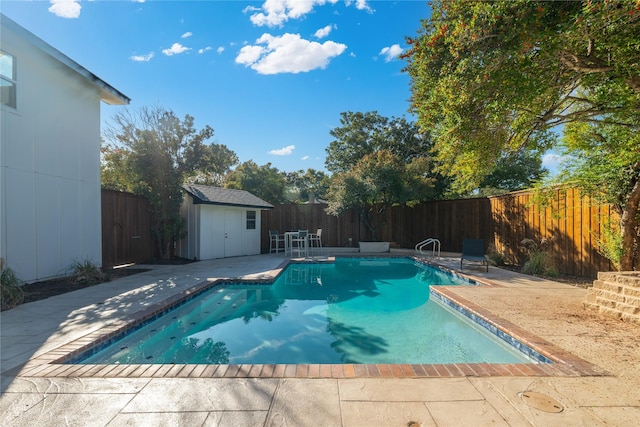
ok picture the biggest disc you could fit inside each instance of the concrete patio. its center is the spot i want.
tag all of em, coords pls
(550, 310)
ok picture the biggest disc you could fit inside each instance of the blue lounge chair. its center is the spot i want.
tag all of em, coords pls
(473, 250)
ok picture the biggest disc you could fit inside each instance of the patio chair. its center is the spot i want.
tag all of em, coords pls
(300, 243)
(315, 240)
(274, 241)
(473, 250)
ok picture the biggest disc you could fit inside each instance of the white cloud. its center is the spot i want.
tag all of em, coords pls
(288, 53)
(142, 58)
(175, 49)
(304, 158)
(323, 32)
(360, 5)
(220, 49)
(65, 8)
(284, 151)
(187, 35)
(206, 49)
(392, 52)
(552, 161)
(274, 13)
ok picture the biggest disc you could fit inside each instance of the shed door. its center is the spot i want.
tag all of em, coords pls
(232, 233)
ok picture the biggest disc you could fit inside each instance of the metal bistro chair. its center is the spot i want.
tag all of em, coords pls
(300, 243)
(315, 240)
(274, 241)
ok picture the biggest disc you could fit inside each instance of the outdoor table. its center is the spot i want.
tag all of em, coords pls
(288, 237)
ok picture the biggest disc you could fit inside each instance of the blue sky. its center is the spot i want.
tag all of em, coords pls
(271, 77)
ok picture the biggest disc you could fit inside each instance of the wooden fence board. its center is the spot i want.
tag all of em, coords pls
(126, 229)
(572, 222)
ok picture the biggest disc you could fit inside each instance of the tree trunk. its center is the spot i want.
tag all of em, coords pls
(629, 228)
(367, 217)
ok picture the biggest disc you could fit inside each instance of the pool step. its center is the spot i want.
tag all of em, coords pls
(617, 295)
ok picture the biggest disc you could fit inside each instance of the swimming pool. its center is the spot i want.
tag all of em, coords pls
(359, 311)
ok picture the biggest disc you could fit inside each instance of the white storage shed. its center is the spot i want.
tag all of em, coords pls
(221, 222)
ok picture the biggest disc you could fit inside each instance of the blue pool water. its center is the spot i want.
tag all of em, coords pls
(350, 311)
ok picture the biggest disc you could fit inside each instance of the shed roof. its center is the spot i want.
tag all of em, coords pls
(108, 93)
(208, 195)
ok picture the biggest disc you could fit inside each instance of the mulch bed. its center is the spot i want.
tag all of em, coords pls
(48, 288)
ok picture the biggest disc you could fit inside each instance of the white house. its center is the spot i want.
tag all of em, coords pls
(221, 222)
(49, 156)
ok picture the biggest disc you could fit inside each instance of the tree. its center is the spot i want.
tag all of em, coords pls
(301, 184)
(376, 182)
(493, 78)
(263, 181)
(361, 134)
(379, 162)
(606, 166)
(151, 153)
(513, 172)
(218, 162)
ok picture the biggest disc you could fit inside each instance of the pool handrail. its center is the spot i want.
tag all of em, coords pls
(436, 245)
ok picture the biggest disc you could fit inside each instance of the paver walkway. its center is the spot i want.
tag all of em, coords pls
(36, 328)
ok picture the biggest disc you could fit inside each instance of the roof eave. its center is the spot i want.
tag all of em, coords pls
(197, 201)
(108, 93)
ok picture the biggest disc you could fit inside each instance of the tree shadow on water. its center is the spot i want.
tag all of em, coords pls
(351, 338)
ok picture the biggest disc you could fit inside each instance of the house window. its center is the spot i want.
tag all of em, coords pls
(251, 220)
(7, 79)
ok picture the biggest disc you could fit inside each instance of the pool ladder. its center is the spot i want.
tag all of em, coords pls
(427, 242)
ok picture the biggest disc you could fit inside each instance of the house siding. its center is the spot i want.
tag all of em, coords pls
(50, 166)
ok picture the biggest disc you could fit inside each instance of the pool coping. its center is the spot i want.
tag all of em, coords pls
(52, 363)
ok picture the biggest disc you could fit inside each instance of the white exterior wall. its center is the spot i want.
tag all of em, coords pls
(212, 235)
(50, 167)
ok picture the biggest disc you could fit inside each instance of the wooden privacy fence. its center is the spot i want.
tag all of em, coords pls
(448, 221)
(570, 223)
(126, 229)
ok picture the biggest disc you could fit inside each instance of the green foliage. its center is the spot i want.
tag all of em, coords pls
(87, 272)
(377, 163)
(492, 78)
(12, 292)
(300, 185)
(609, 242)
(539, 258)
(264, 181)
(497, 258)
(219, 162)
(153, 153)
(513, 172)
(604, 160)
(362, 134)
(376, 182)
(605, 165)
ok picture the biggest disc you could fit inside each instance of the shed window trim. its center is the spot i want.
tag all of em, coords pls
(8, 79)
(251, 220)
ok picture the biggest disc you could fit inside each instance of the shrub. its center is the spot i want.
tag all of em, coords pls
(12, 292)
(609, 242)
(539, 259)
(87, 272)
(497, 258)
